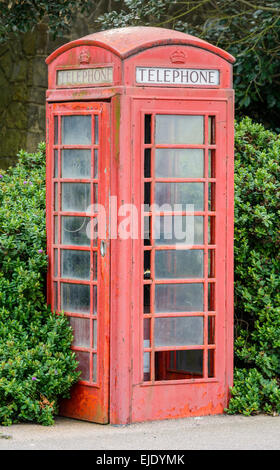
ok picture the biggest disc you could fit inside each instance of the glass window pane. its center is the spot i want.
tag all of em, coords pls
(95, 163)
(147, 299)
(211, 330)
(55, 130)
(178, 365)
(55, 173)
(75, 197)
(179, 163)
(148, 127)
(178, 331)
(75, 264)
(211, 164)
(147, 163)
(180, 193)
(211, 363)
(81, 332)
(190, 361)
(176, 229)
(177, 129)
(74, 231)
(76, 163)
(211, 129)
(83, 359)
(94, 368)
(55, 268)
(147, 265)
(55, 196)
(76, 130)
(179, 298)
(96, 130)
(211, 230)
(211, 263)
(176, 264)
(75, 298)
(211, 297)
(94, 300)
(147, 333)
(94, 332)
(55, 235)
(146, 366)
(147, 231)
(55, 295)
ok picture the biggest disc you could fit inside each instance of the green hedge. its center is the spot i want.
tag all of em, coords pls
(36, 363)
(257, 270)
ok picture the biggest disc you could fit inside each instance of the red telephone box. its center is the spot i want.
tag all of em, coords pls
(140, 221)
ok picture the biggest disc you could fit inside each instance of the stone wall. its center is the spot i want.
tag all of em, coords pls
(23, 84)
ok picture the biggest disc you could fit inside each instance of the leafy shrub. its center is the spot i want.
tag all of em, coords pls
(36, 363)
(257, 270)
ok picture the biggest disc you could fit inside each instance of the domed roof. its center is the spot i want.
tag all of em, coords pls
(125, 42)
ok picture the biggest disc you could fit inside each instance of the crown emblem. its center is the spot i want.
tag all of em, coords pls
(84, 57)
(178, 57)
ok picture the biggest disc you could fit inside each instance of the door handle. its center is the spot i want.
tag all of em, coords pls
(103, 248)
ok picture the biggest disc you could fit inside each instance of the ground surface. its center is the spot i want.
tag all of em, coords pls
(210, 432)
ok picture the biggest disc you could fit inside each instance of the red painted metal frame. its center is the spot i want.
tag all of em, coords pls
(130, 398)
(89, 398)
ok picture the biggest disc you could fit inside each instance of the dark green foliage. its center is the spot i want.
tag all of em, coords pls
(36, 363)
(20, 16)
(257, 269)
(250, 31)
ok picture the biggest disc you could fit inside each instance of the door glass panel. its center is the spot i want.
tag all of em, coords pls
(211, 363)
(178, 331)
(81, 332)
(94, 368)
(56, 196)
(94, 333)
(96, 129)
(75, 197)
(211, 130)
(179, 163)
(176, 264)
(55, 296)
(176, 229)
(75, 264)
(147, 332)
(180, 193)
(147, 163)
(55, 164)
(211, 330)
(95, 164)
(76, 130)
(189, 361)
(177, 129)
(94, 300)
(179, 298)
(75, 298)
(55, 236)
(55, 130)
(74, 231)
(147, 298)
(76, 163)
(84, 364)
(55, 270)
(146, 366)
(178, 365)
